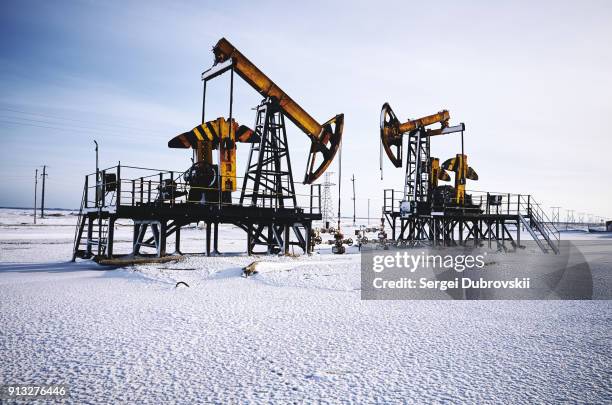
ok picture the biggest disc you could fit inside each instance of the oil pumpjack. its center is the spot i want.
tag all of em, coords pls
(423, 197)
(422, 193)
(267, 209)
(427, 212)
(268, 181)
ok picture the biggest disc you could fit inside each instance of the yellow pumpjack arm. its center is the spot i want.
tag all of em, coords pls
(325, 138)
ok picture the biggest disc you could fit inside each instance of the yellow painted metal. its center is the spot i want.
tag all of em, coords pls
(436, 173)
(325, 138)
(212, 135)
(463, 172)
(224, 51)
(228, 156)
(210, 132)
(441, 117)
(198, 134)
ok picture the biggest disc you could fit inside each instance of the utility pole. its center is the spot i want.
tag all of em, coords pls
(354, 216)
(35, 191)
(42, 201)
(368, 212)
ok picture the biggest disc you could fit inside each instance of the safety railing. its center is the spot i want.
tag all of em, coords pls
(496, 203)
(137, 186)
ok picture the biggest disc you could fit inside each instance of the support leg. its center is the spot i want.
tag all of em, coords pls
(135, 233)
(142, 230)
(216, 238)
(110, 237)
(163, 227)
(208, 239)
(270, 239)
(250, 240)
(177, 241)
(155, 231)
(308, 229)
(89, 236)
(286, 240)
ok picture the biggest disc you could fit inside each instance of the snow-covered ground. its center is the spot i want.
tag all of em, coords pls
(297, 331)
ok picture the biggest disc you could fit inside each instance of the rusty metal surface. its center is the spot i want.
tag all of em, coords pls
(391, 130)
(224, 51)
(390, 135)
(441, 117)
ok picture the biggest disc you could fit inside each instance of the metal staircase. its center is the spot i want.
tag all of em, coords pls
(536, 222)
(78, 232)
(95, 242)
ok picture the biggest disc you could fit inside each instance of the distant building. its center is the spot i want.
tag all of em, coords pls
(609, 226)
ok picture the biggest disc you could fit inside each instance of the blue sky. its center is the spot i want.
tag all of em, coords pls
(531, 81)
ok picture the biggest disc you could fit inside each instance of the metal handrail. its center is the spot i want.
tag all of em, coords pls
(542, 222)
(146, 189)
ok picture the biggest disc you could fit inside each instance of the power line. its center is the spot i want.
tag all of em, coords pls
(63, 127)
(79, 127)
(56, 117)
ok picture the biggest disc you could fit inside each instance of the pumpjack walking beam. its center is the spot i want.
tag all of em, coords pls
(325, 138)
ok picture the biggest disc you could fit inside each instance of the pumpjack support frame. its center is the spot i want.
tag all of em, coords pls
(156, 218)
(267, 210)
(497, 223)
